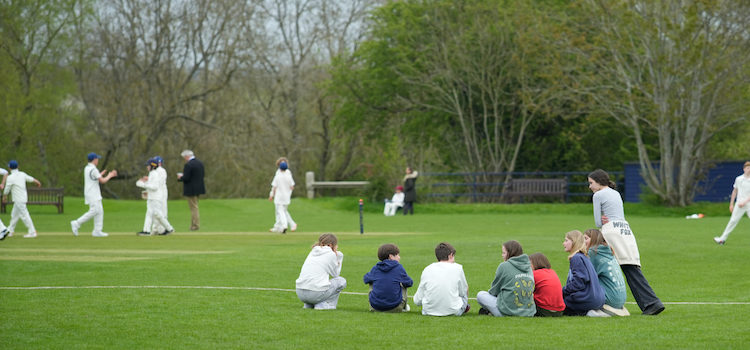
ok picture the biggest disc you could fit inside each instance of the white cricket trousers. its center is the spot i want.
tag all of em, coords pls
(20, 212)
(149, 225)
(96, 211)
(736, 216)
(158, 214)
(283, 219)
(390, 208)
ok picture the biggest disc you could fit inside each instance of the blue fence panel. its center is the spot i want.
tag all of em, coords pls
(716, 187)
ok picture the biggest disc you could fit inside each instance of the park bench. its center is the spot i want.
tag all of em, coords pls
(313, 185)
(519, 188)
(41, 196)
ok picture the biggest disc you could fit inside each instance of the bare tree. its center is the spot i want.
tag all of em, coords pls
(677, 68)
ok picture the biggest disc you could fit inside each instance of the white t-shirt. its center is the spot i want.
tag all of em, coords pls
(153, 185)
(442, 289)
(742, 184)
(283, 183)
(91, 192)
(16, 186)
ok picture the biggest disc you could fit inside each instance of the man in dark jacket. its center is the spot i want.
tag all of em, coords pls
(192, 181)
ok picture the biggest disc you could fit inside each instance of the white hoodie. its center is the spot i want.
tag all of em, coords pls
(321, 263)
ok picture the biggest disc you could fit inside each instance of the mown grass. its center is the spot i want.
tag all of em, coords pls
(233, 249)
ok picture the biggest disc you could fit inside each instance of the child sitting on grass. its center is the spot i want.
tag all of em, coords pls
(313, 286)
(582, 292)
(547, 288)
(512, 290)
(609, 273)
(443, 290)
(388, 281)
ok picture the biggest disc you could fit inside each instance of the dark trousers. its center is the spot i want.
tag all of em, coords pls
(408, 208)
(642, 292)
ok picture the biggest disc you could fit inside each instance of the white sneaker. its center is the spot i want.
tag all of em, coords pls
(4, 233)
(407, 308)
(100, 234)
(597, 313)
(719, 241)
(74, 226)
(294, 228)
(30, 235)
(615, 312)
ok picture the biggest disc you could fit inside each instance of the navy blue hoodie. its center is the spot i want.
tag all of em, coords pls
(582, 291)
(386, 278)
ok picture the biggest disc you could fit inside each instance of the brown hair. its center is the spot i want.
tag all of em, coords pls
(596, 239)
(513, 248)
(539, 261)
(282, 159)
(601, 177)
(443, 250)
(327, 239)
(579, 244)
(387, 250)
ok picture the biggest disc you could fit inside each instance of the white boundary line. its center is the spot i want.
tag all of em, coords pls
(292, 291)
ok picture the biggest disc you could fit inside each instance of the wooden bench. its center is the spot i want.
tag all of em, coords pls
(312, 185)
(41, 196)
(518, 188)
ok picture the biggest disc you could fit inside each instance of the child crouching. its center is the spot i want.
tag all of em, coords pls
(314, 288)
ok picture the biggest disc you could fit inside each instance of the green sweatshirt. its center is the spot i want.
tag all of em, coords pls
(514, 287)
(610, 275)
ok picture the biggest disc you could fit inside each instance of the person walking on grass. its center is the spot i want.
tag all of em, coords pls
(193, 186)
(16, 186)
(609, 216)
(738, 208)
(155, 197)
(3, 231)
(92, 195)
(148, 225)
(282, 186)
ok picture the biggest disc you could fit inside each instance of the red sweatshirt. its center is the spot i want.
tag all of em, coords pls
(548, 290)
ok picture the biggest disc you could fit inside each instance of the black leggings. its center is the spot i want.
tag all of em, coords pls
(408, 208)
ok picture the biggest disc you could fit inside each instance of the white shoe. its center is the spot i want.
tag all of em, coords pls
(294, 228)
(4, 233)
(74, 226)
(30, 235)
(100, 234)
(407, 308)
(615, 312)
(597, 313)
(719, 241)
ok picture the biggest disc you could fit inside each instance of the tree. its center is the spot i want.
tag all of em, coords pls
(677, 67)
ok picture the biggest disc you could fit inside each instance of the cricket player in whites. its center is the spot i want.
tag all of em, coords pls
(741, 193)
(93, 196)
(148, 224)
(16, 186)
(155, 197)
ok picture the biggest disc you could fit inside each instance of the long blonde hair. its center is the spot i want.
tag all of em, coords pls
(579, 243)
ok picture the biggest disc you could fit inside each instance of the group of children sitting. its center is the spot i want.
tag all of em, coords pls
(524, 285)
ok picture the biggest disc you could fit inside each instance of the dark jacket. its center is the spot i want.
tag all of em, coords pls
(386, 278)
(410, 188)
(192, 178)
(582, 291)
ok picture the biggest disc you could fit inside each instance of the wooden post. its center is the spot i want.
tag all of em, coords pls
(310, 183)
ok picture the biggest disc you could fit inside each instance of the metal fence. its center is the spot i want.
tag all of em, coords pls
(488, 187)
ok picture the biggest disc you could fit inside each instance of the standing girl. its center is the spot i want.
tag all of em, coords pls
(512, 290)
(608, 271)
(582, 292)
(547, 288)
(314, 288)
(281, 195)
(410, 190)
(609, 215)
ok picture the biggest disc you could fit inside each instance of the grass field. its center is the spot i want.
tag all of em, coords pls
(230, 285)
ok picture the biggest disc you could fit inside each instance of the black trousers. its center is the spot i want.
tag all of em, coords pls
(408, 208)
(642, 292)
